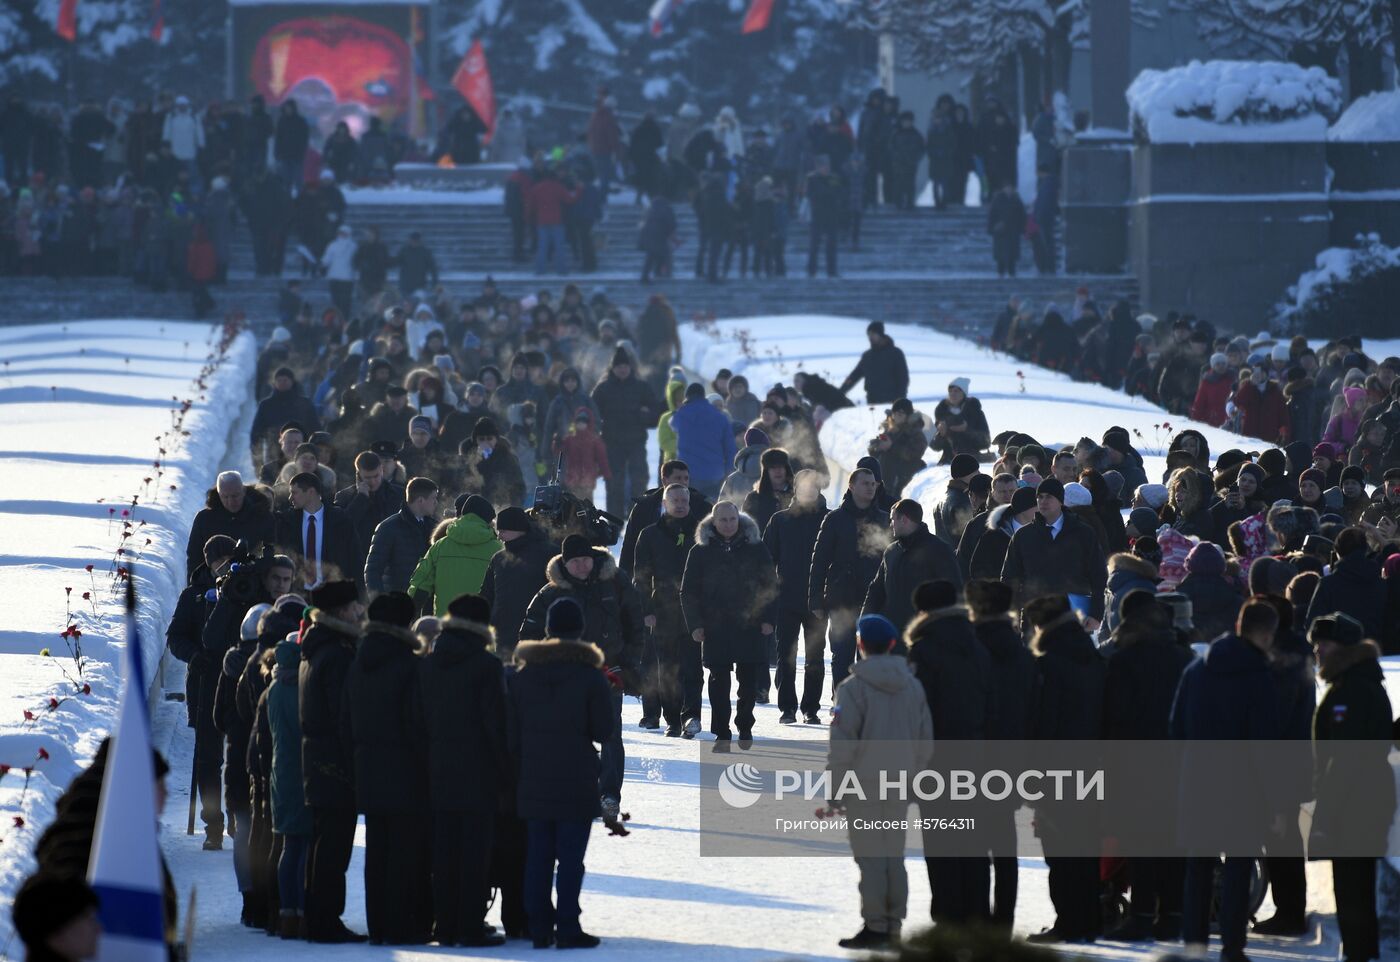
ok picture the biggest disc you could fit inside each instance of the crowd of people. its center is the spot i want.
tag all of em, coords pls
(156, 191)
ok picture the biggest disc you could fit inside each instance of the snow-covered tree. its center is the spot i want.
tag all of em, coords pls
(1311, 32)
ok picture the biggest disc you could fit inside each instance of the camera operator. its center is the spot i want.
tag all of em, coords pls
(560, 514)
(184, 637)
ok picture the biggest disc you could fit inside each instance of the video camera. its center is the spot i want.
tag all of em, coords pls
(245, 573)
(561, 513)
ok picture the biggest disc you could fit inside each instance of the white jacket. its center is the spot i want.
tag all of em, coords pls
(184, 133)
(339, 259)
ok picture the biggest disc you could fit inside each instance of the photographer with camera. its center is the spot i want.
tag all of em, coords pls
(230, 508)
(185, 637)
(613, 617)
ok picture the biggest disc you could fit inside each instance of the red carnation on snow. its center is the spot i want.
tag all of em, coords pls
(43, 754)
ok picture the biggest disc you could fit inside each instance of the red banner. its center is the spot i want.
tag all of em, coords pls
(760, 12)
(158, 22)
(67, 26)
(473, 82)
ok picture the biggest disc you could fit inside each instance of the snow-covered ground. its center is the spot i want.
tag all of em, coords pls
(85, 409)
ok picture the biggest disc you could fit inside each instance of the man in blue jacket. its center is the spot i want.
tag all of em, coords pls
(704, 440)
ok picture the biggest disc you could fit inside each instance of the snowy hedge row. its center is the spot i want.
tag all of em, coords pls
(1350, 290)
(1233, 100)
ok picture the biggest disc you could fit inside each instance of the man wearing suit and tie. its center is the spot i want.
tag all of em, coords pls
(319, 536)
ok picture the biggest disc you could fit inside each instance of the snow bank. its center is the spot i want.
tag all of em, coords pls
(1050, 407)
(1373, 118)
(487, 196)
(85, 408)
(1234, 100)
(1333, 269)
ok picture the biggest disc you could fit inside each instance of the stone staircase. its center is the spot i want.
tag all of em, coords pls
(920, 267)
(475, 239)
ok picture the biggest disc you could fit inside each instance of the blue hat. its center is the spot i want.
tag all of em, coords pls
(876, 633)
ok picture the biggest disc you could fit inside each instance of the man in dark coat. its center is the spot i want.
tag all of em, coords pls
(1057, 554)
(989, 556)
(464, 714)
(613, 616)
(1354, 784)
(955, 670)
(1068, 706)
(953, 513)
(826, 198)
(401, 540)
(285, 403)
(418, 270)
(790, 537)
(383, 724)
(1013, 682)
(1226, 695)
(656, 238)
(559, 705)
(629, 409)
(1353, 585)
(845, 559)
(184, 637)
(671, 668)
(647, 509)
(515, 574)
(820, 391)
(729, 594)
(232, 509)
(327, 651)
(370, 499)
(775, 488)
(319, 537)
(1139, 686)
(388, 420)
(883, 368)
(1003, 488)
(914, 557)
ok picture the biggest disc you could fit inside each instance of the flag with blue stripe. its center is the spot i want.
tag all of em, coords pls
(125, 866)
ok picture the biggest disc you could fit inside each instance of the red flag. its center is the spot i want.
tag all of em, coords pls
(760, 12)
(67, 27)
(473, 82)
(158, 26)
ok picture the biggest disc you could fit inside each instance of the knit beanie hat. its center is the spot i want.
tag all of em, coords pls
(1144, 520)
(1314, 475)
(876, 633)
(1154, 494)
(564, 619)
(1270, 576)
(1053, 488)
(755, 438)
(576, 546)
(513, 519)
(1076, 495)
(963, 465)
(248, 630)
(393, 608)
(1205, 559)
(1022, 499)
(932, 595)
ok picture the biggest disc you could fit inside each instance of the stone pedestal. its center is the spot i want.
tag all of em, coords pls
(1223, 229)
(1098, 177)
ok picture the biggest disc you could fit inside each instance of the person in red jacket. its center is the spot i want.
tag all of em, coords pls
(1263, 413)
(544, 208)
(585, 457)
(605, 139)
(202, 266)
(1212, 394)
(517, 197)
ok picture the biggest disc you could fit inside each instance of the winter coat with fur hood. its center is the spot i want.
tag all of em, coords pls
(559, 705)
(464, 711)
(1126, 572)
(955, 670)
(252, 523)
(383, 720)
(730, 589)
(327, 651)
(612, 611)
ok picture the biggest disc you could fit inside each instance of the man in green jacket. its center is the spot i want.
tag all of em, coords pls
(456, 563)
